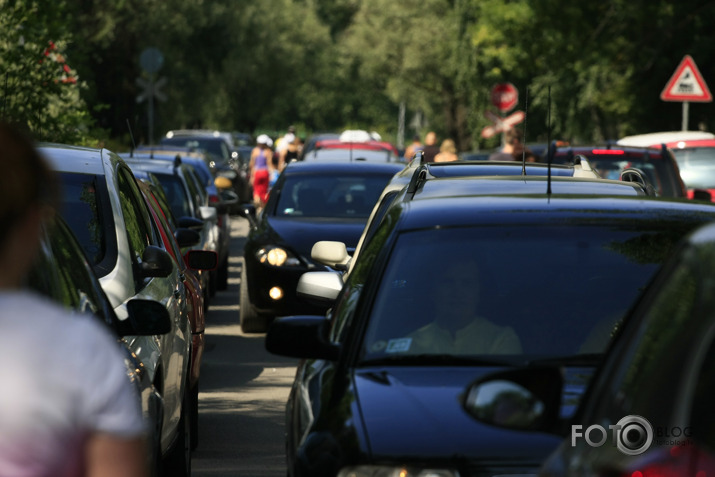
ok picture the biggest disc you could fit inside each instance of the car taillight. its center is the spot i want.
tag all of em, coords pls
(612, 152)
(675, 461)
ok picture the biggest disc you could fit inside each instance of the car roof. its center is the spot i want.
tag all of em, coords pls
(317, 167)
(151, 165)
(691, 143)
(650, 139)
(520, 185)
(85, 160)
(475, 210)
(612, 149)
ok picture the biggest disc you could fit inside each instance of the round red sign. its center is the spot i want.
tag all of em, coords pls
(505, 96)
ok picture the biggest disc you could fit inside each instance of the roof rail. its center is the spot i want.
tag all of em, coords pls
(418, 158)
(585, 169)
(633, 174)
(417, 180)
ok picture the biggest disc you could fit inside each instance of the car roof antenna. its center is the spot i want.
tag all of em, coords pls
(131, 135)
(550, 146)
(526, 116)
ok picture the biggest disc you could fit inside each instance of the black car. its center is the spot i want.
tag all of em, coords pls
(652, 396)
(309, 202)
(631, 182)
(659, 165)
(62, 273)
(188, 198)
(221, 157)
(457, 283)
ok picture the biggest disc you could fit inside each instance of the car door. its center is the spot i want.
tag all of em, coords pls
(174, 347)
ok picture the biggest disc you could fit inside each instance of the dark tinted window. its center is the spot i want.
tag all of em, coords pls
(330, 195)
(63, 274)
(561, 295)
(137, 224)
(86, 208)
(176, 193)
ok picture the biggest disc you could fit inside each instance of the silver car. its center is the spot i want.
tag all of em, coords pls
(104, 208)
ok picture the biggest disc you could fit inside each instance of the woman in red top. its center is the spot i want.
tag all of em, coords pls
(261, 166)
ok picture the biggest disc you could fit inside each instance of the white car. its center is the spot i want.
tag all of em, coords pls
(104, 208)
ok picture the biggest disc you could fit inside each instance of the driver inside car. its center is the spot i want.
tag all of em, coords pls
(458, 328)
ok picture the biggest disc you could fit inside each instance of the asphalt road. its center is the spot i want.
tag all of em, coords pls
(243, 389)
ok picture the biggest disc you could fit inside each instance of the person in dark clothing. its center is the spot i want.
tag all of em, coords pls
(431, 148)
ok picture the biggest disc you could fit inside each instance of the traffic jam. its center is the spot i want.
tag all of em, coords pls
(359, 301)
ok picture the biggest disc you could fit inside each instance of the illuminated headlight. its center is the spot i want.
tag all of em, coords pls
(387, 471)
(275, 293)
(277, 257)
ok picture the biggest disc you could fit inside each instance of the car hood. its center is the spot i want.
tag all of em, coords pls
(416, 412)
(301, 234)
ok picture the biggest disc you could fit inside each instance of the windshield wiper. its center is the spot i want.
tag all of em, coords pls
(586, 359)
(437, 360)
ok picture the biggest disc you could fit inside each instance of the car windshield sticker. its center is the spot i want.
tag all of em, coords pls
(399, 345)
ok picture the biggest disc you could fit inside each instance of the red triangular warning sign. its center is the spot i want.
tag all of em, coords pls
(686, 84)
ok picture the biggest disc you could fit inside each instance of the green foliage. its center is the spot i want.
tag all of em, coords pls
(40, 90)
(595, 69)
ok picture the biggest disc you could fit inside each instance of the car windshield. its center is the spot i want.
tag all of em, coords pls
(348, 196)
(473, 291)
(696, 166)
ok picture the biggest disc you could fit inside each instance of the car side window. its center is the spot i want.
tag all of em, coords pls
(348, 301)
(136, 218)
(63, 273)
(195, 189)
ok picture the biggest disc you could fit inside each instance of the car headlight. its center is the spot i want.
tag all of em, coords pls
(388, 471)
(277, 257)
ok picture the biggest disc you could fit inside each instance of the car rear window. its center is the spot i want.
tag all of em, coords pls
(348, 196)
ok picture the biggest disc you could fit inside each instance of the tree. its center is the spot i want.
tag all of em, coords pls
(40, 90)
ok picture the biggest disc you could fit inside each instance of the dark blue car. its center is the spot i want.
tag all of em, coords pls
(310, 202)
(461, 280)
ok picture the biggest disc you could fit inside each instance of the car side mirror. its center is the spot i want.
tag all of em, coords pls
(248, 212)
(304, 337)
(187, 237)
(320, 288)
(145, 318)
(156, 262)
(330, 253)
(228, 197)
(192, 223)
(526, 399)
(201, 259)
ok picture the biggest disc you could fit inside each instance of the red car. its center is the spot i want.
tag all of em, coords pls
(695, 153)
(658, 164)
(188, 264)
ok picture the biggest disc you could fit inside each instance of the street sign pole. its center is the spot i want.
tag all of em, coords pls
(686, 85)
(151, 61)
(150, 109)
